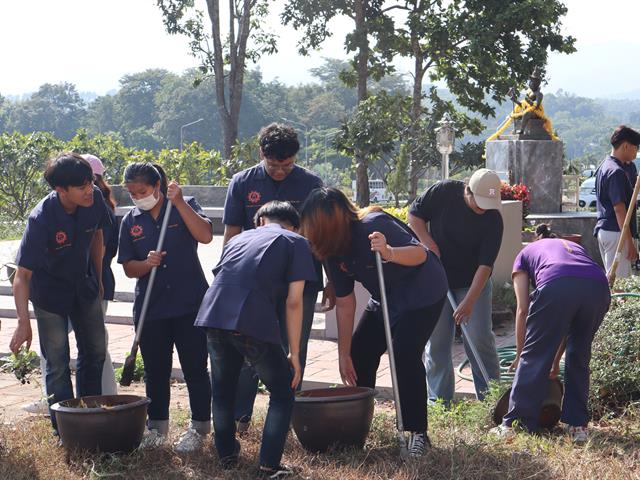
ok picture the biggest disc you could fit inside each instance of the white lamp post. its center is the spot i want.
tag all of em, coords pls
(445, 136)
(184, 126)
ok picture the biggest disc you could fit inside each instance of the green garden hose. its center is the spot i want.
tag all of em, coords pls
(506, 356)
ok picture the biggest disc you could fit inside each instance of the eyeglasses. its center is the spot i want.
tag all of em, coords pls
(274, 166)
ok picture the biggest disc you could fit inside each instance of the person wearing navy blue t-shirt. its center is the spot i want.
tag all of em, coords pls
(59, 270)
(175, 297)
(347, 237)
(276, 177)
(615, 179)
(259, 270)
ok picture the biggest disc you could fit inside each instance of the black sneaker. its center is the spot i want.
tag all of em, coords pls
(231, 461)
(281, 471)
(417, 444)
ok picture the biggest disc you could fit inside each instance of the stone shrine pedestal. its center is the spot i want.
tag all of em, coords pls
(536, 163)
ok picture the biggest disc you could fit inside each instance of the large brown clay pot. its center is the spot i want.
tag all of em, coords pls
(108, 423)
(333, 416)
(551, 406)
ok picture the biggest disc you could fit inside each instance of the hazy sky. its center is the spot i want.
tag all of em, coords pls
(93, 43)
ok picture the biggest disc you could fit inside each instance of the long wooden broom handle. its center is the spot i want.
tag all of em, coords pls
(611, 274)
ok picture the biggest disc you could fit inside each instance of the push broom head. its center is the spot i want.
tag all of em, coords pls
(128, 368)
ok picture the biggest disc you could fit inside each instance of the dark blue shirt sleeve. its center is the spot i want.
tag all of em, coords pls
(300, 262)
(125, 244)
(617, 186)
(33, 247)
(396, 235)
(101, 209)
(491, 240)
(193, 203)
(423, 206)
(342, 281)
(234, 205)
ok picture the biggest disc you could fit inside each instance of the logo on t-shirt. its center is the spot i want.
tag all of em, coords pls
(61, 237)
(343, 267)
(254, 197)
(136, 231)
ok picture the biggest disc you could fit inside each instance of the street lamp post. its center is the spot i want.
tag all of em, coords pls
(306, 138)
(182, 130)
(445, 136)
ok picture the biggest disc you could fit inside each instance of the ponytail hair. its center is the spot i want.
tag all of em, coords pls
(544, 231)
(146, 173)
(106, 191)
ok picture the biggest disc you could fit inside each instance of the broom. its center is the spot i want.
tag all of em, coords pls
(130, 363)
(611, 274)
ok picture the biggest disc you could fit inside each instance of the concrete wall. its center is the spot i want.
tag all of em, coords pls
(206, 195)
(567, 223)
(536, 163)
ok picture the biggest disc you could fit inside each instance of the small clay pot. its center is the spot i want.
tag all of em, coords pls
(109, 423)
(326, 417)
(551, 406)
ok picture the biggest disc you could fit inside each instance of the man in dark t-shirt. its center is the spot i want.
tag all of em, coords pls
(465, 231)
(615, 179)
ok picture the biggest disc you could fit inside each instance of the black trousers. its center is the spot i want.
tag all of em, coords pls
(410, 335)
(156, 344)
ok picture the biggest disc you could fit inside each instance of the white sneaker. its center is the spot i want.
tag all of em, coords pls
(502, 431)
(578, 434)
(152, 439)
(189, 441)
(417, 444)
(40, 407)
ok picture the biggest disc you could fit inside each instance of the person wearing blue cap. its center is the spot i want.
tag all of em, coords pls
(259, 270)
(60, 271)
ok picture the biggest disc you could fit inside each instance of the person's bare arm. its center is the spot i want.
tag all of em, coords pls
(465, 307)
(419, 226)
(23, 331)
(345, 313)
(200, 228)
(294, 328)
(521, 288)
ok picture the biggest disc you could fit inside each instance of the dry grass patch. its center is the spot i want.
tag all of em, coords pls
(462, 449)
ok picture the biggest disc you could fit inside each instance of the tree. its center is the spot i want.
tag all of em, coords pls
(369, 41)
(223, 54)
(479, 49)
(53, 108)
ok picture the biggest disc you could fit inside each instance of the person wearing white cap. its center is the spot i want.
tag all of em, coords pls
(110, 235)
(465, 231)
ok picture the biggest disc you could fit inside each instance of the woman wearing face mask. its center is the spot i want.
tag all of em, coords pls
(176, 294)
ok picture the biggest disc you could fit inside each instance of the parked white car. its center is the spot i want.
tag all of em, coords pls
(588, 193)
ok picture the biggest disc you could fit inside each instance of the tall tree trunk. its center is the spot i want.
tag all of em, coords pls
(362, 68)
(416, 113)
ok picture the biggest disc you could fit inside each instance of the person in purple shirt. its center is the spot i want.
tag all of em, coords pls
(570, 299)
(346, 237)
(259, 270)
(276, 177)
(175, 298)
(615, 179)
(60, 271)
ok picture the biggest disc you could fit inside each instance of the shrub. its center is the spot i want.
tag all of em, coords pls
(138, 372)
(615, 362)
(517, 192)
(400, 213)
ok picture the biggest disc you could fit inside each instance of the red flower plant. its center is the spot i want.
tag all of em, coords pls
(517, 192)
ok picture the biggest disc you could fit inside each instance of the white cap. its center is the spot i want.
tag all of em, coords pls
(485, 186)
(95, 162)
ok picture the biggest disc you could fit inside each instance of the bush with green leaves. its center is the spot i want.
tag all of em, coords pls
(138, 372)
(615, 361)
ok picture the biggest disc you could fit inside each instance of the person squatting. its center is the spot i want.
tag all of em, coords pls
(282, 228)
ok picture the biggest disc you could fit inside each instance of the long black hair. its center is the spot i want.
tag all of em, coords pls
(68, 170)
(146, 173)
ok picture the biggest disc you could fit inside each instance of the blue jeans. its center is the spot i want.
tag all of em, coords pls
(565, 307)
(248, 383)
(88, 325)
(440, 375)
(228, 351)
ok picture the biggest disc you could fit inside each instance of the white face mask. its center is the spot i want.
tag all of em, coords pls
(146, 203)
